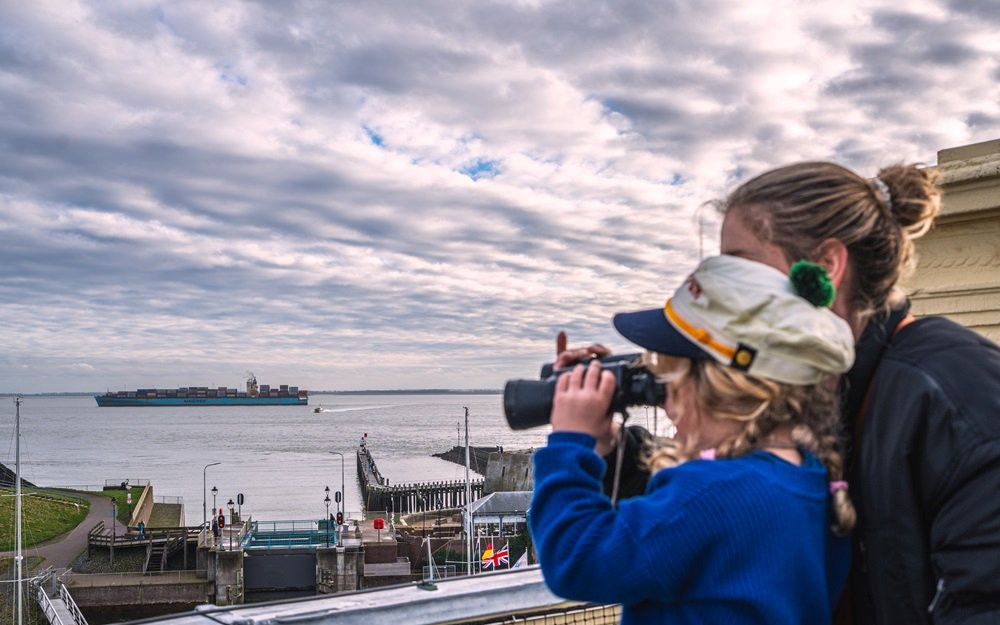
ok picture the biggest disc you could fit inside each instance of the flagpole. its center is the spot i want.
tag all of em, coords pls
(468, 498)
(17, 504)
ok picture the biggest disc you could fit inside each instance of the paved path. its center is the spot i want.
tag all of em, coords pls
(61, 551)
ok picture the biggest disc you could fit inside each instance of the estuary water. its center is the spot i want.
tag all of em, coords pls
(277, 456)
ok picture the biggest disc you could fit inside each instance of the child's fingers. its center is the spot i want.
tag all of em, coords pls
(606, 387)
(576, 376)
(593, 377)
(562, 383)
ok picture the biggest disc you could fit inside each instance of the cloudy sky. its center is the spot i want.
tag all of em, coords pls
(417, 194)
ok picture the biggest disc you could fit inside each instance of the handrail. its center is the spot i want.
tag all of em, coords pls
(71, 605)
(47, 608)
(130, 481)
(139, 578)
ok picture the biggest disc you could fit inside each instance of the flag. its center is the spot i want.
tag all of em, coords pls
(522, 562)
(493, 559)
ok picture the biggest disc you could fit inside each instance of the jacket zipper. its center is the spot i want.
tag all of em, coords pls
(937, 596)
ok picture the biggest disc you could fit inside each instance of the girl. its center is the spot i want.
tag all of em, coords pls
(742, 521)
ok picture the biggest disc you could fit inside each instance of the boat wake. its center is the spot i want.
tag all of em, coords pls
(354, 408)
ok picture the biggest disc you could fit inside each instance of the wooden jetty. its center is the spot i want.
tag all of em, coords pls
(379, 495)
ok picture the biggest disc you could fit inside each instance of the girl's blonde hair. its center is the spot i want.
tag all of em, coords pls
(799, 206)
(761, 406)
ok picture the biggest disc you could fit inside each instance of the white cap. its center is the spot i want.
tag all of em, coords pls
(746, 315)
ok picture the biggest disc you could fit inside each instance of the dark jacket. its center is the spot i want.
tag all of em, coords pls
(924, 473)
(635, 475)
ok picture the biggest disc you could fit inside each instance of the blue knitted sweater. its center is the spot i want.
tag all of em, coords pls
(743, 540)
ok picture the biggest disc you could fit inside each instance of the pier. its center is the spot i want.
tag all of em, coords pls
(410, 497)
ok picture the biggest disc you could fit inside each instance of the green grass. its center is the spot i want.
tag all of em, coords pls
(124, 510)
(46, 514)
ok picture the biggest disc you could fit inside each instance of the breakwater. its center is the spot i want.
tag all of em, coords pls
(378, 494)
(478, 456)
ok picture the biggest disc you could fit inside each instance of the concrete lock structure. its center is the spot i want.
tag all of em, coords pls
(958, 270)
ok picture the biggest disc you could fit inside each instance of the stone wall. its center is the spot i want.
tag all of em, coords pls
(958, 270)
(143, 507)
(508, 471)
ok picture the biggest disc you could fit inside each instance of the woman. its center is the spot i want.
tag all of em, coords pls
(921, 406)
(735, 526)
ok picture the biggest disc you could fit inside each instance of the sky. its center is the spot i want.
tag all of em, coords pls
(358, 195)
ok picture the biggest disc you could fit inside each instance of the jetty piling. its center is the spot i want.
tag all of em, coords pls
(378, 494)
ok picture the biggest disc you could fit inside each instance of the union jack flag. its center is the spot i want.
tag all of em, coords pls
(493, 559)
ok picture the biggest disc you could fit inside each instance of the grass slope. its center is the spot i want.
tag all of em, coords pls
(46, 514)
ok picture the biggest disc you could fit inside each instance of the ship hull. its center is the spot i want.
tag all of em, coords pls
(105, 401)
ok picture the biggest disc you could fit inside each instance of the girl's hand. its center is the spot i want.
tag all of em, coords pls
(566, 358)
(582, 400)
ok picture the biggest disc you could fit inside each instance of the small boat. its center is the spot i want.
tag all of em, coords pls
(318, 409)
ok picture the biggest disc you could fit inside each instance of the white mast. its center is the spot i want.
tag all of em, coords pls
(17, 504)
(468, 499)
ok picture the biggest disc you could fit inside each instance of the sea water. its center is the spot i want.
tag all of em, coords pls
(278, 457)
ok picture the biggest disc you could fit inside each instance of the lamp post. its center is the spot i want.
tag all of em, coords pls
(114, 517)
(215, 491)
(232, 509)
(204, 495)
(326, 500)
(343, 495)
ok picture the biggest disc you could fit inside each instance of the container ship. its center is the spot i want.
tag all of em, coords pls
(255, 395)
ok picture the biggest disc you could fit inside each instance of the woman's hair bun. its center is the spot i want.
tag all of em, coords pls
(915, 198)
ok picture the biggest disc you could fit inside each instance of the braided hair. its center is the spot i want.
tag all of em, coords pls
(760, 407)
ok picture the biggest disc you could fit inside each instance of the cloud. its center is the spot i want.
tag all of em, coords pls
(427, 191)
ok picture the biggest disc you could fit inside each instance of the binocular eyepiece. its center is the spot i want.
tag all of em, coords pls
(528, 403)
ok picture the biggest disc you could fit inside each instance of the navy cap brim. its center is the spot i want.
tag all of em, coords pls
(650, 329)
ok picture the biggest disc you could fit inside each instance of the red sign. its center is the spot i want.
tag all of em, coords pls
(378, 524)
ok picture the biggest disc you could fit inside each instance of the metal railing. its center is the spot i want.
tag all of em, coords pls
(48, 609)
(140, 579)
(131, 481)
(71, 605)
(91, 488)
(168, 499)
(289, 534)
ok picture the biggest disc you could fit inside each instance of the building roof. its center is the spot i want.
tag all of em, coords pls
(502, 503)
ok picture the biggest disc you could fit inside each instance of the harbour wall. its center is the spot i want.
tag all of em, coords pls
(378, 494)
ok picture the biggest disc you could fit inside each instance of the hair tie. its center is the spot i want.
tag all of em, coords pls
(838, 485)
(707, 454)
(882, 191)
(812, 283)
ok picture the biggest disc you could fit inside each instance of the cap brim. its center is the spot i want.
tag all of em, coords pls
(650, 329)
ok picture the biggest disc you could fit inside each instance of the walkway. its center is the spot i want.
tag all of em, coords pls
(60, 552)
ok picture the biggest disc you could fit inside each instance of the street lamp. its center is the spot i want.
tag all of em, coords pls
(204, 496)
(326, 500)
(343, 495)
(114, 517)
(232, 508)
(215, 491)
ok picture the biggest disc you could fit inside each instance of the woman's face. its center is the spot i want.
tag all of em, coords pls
(739, 239)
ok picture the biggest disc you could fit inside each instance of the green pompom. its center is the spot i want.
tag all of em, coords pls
(812, 283)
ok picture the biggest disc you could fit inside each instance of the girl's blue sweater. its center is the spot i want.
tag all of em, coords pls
(745, 540)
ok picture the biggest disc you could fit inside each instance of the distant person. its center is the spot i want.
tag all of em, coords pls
(142, 529)
(216, 531)
(746, 517)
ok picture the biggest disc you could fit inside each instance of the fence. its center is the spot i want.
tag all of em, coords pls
(74, 610)
(131, 481)
(168, 499)
(49, 610)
